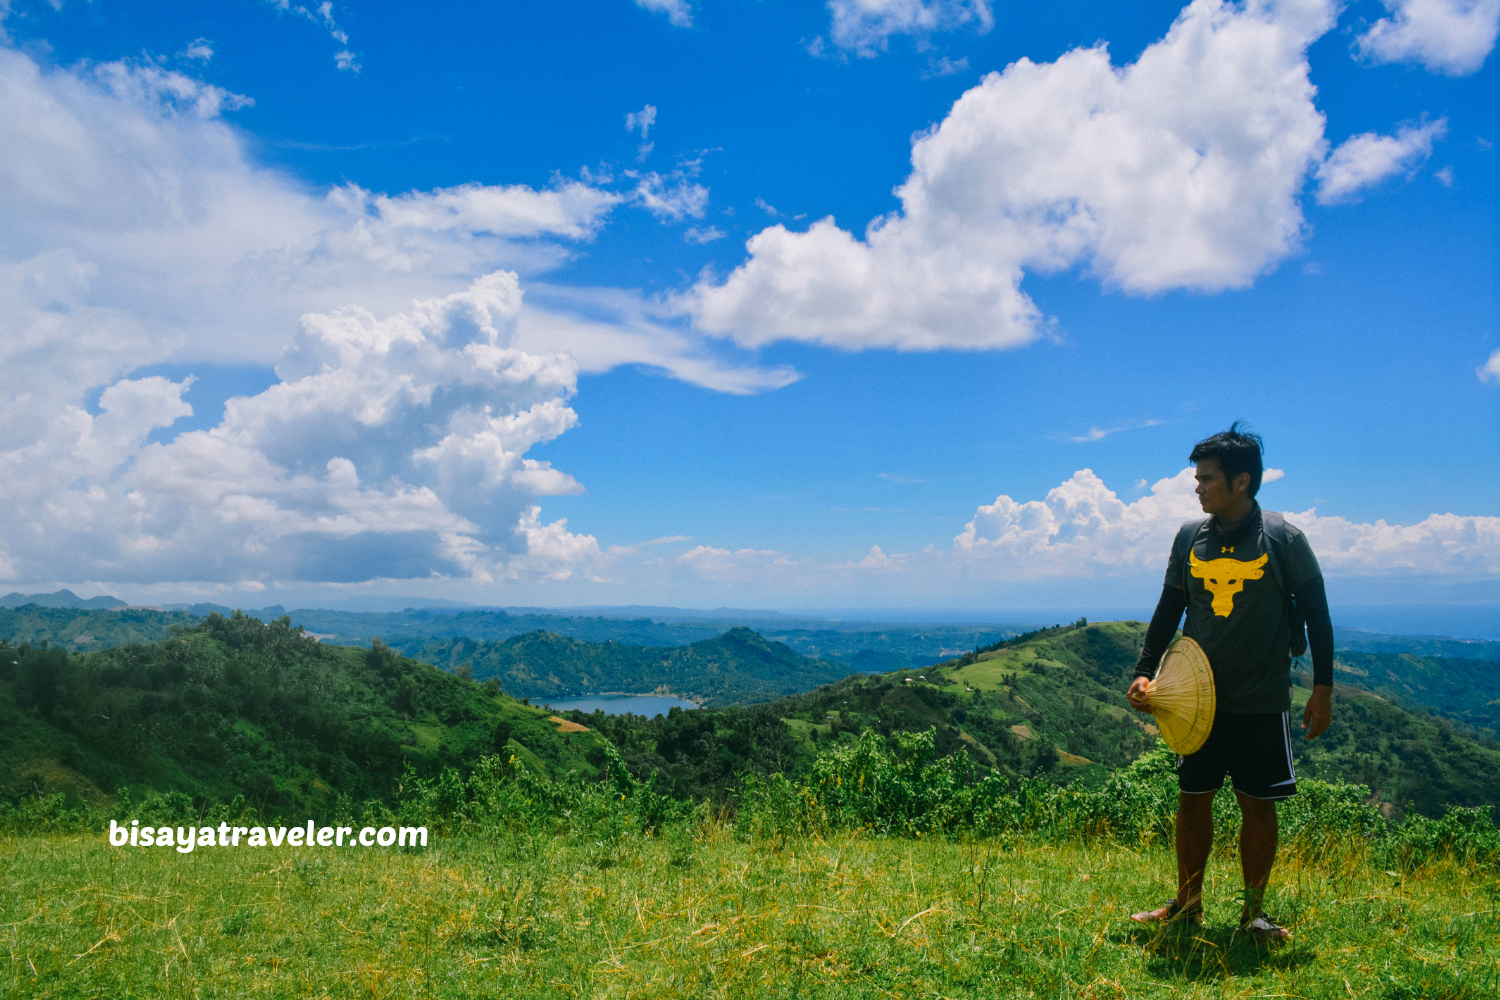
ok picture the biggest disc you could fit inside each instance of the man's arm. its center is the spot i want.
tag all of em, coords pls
(1312, 601)
(1164, 622)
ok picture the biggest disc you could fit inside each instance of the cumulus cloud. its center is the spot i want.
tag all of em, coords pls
(865, 26)
(1365, 160)
(1446, 36)
(1082, 530)
(136, 230)
(1182, 170)
(390, 447)
(679, 12)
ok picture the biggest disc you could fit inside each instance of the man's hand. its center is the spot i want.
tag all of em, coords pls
(1319, 712)
(1136, 693)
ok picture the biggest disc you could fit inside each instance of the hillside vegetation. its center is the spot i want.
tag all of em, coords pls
(1050, 704)
(79, 629)
(234, 707)
(736, 667)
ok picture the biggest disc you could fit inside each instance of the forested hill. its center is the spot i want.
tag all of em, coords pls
(80, 629)
(1053, 703)
(738, 667)
(233, 707)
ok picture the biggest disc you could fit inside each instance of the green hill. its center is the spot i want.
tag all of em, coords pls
(736, 667)
(236, 707)
(232, 706)
(76, 629)
(1052, 703)
(1461, 689)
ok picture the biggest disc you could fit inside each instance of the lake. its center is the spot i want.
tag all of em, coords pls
(648, 705)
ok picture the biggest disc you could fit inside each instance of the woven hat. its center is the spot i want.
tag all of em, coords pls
(1182, 696)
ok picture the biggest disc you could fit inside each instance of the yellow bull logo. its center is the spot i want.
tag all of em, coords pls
(1225, 577)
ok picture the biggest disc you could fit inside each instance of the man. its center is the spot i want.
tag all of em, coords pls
(1248, 581)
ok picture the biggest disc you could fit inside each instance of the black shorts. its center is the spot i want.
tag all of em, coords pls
(1254, 750)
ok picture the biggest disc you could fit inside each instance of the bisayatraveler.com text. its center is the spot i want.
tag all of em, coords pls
(186, 838)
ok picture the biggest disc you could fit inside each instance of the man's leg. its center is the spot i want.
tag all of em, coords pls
(1258, 832)
(1195, 841)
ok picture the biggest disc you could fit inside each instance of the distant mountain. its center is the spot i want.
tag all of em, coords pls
(736, 667)
(61, 599)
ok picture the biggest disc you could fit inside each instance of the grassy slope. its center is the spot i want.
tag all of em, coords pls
(698, 914)
(736, 667)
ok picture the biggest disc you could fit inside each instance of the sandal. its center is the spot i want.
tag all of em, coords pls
(1261, 926)
(1170, 914)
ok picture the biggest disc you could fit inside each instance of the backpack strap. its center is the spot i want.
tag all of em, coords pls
(1273, 531)
(1184, 543)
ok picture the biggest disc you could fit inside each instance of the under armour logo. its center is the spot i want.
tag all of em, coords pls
(1225, 548)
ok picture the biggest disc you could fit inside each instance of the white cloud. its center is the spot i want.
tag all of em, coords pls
(703, 234)
(672, 197)
(679, 12)
(322, 16)
(136, 230)
(943, 66)
(865, 26)
(1490, 370)
(200, 48)
(1444, 176)
(1182, 170)
(1100, 433)
(1082, 531)
(390, 447)
(1446, 36)
(607, 328)
(642, 120)
(1367, 159)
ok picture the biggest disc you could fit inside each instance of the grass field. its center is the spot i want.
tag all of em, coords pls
(697, 913)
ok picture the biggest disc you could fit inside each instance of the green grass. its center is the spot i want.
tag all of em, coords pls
(697, 913)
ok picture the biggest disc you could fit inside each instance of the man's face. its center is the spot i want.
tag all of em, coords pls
(1214, 493)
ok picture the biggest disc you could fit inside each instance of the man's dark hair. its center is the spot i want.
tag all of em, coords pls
(1236, 451)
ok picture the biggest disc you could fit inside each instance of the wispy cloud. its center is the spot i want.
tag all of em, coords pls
(679, 12)
(669, 539)
(1100, 433)
(322, 15)
(703, 234)
(642, 120)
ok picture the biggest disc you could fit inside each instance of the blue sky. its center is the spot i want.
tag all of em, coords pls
(991, 246)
